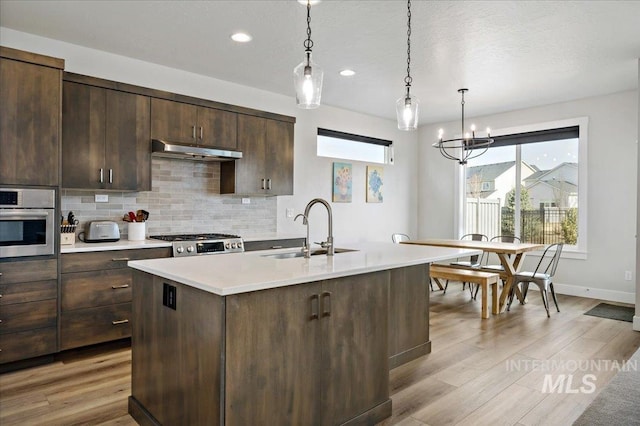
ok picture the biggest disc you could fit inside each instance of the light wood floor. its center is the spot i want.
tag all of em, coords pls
(465, 380)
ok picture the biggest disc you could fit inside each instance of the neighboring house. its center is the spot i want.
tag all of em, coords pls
(557, 187)
(494, 181)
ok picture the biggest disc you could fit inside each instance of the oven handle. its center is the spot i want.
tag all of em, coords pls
(36, 214)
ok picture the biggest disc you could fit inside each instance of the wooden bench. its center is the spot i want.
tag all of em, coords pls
(483, 279)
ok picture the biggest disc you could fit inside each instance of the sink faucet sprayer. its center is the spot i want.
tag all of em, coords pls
(305, 221)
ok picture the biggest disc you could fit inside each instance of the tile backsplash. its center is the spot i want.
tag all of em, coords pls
(185, 198)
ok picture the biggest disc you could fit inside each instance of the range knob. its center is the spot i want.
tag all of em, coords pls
(180, 249)
(234, 245)
(227, 245)
(190, 249)
(239, 244)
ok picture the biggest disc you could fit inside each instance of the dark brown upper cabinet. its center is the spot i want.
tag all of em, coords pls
(185, 123)
(106, 141)
(30, 99)
(266, 166)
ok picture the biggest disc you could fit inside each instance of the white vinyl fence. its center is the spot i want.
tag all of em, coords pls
(483, 216)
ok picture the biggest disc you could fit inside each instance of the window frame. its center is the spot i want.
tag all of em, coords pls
(578, 251)
(336, 134)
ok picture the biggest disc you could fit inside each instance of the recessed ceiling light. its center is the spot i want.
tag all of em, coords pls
(241, 37)
(312, 2)
(347, 73)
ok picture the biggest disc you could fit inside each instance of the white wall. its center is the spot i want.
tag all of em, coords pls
(355, 221)
(636, 319)
(612, 166)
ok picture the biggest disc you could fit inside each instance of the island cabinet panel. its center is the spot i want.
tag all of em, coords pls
(105, 139)
(408, 314)
(30, 104)
(317, 352)
(355, 365)
(273, 357)
(196, 125)
(176, 354)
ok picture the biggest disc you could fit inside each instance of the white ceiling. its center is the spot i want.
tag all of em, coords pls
(510, 54)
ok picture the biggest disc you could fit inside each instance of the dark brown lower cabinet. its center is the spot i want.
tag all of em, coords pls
(312, 354)
(28, 309)
(95, 295)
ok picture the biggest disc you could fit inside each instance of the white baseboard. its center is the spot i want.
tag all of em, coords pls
(636, 322)
(594, 293)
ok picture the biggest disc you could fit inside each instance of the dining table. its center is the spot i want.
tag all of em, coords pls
(511, 256)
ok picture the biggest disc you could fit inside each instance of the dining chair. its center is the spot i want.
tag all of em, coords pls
(398, 238)
(542, 276)
(473, 262)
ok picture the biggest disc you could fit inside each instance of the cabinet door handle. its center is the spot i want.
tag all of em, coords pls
(118, 322)
(201, 133)
(326, 304)
(315, 301)
(115, 287)
(120, 259)
(269, 183)
(193, 132)
(101, 175)
(110, 175)
(263, 183)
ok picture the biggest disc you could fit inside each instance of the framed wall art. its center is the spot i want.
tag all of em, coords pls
(342, 180)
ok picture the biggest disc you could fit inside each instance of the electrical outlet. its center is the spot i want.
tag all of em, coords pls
(102, 198)
(246, 201)
(169, 296)
(627, 275)
(289, 212)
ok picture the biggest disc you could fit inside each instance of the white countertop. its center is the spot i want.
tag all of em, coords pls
(227, 274)
(123, 244)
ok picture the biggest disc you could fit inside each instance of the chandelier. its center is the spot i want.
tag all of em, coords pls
(467, 146)
(407, 105)
(307, 76)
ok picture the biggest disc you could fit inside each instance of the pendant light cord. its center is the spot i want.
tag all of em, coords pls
(408, 78)
(308, 43)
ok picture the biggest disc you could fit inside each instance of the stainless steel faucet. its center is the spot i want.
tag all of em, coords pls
(305, 220)
(305, 249)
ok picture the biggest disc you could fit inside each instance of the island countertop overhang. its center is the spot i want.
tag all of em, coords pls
(236, 273)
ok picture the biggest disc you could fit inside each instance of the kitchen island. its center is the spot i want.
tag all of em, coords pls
(264, 338)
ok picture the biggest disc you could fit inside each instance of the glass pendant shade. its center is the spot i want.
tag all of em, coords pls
(307, 80)
(407, 112)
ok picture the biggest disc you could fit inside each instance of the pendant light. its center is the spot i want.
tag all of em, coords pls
(467, 146)
(307, 76)
(407, 105)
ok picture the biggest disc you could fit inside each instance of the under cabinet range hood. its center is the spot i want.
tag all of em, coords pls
(160, 148)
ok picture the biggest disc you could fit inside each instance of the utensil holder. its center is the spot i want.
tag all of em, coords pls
(136, 231)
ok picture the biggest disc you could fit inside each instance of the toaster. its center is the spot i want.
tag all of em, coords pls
(101, 231)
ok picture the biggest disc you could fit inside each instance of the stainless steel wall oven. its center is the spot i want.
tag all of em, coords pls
(27, 222)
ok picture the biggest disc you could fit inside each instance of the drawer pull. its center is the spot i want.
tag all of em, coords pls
(124, 321)
(115, 287)
(120, 259)
(276, 247)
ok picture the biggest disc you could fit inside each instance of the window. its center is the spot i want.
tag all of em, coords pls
(538, 186)
(348, 146)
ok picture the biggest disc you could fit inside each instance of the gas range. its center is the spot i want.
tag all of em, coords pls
(199, 244)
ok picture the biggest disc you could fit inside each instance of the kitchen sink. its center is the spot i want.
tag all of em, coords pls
(316, 252)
